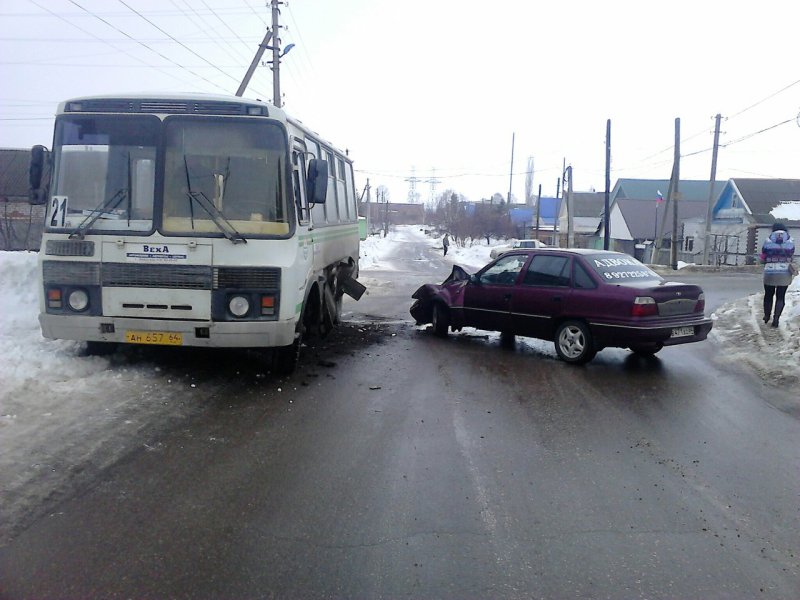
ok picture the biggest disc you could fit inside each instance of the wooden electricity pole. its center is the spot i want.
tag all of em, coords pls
(511, 174)
(676, 173)
(276, 55)
(712, 181)
(606, 216)
(249, 75)
(568, 200)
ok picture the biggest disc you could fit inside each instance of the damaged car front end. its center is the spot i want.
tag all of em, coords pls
(439, 304)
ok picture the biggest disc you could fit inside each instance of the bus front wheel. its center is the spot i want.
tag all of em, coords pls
(285, 358)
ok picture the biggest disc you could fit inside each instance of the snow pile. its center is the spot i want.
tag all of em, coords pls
(773, 352)
(787, 211)
(474, 255)
(376, 248)
(31, 363)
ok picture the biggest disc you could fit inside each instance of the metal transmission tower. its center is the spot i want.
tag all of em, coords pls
(413, 195)
(434, 181)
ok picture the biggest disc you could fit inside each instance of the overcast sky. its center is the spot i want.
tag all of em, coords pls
(443, 84)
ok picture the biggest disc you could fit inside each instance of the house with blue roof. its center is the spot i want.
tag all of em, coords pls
(743, 214)
(640, 215)
(524, 217)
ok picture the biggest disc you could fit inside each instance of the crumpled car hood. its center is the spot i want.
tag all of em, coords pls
(451, 287)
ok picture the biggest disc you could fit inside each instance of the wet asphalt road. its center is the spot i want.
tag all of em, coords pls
(397, 464)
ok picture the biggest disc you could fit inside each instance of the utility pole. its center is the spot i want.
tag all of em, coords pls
(568, 199)
(538, 204)
(369, 209)
(276, 55)
(606, 216)
(712, 181)
(676, 193)
(511, 174)
(259, 53)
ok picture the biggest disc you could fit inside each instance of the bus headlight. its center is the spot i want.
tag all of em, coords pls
(239, 306)
(78, 300)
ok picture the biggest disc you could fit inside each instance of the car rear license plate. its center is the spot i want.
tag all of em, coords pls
(682, 331)
(161, 338)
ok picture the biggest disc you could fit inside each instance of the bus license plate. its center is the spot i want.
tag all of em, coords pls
(682, 332)
(161, 338)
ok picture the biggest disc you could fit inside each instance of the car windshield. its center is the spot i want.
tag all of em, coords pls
(103, 173)
(223, 176)
(620, 267)
(504, 271)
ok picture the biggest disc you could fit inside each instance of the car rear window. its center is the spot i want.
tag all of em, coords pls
(620, 267)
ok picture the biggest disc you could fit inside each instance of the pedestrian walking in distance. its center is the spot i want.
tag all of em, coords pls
(446, 243)
(776, 255)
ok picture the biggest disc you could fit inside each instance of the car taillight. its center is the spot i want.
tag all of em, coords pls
(701, 303)
(644, 306)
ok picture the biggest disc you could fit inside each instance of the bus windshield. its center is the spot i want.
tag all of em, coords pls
(103, 173)
(225, 177)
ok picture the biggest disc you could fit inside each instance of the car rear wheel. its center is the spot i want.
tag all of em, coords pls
(440, 319)
(574, 342)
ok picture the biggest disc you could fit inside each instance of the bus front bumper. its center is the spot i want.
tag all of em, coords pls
(210, 334)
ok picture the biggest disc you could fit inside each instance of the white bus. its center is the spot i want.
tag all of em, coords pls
(193, 220)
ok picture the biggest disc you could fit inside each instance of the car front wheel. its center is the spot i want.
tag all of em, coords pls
(440, 319)
(574, 342)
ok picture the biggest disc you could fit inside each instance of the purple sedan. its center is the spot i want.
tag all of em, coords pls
(582, 300)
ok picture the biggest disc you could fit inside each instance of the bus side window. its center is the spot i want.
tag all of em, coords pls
(299, 184)
(334, 215)
(351, 194)
(318, 211)
(341, 196)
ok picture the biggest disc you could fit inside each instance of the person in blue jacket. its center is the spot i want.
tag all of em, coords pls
(776, 255)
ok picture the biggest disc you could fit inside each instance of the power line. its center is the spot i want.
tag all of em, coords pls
(225, 24)
(780, 91)
(256, 14)
(176, 41)
(192, 19)
(143, 44)
(81, 29)
(755, 133)
(216, 34)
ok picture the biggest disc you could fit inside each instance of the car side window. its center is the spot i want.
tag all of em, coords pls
(504, 271)
(550, 271)
(582, 280)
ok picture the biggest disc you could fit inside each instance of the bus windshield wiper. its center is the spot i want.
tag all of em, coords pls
(228, 230)
(104, 208)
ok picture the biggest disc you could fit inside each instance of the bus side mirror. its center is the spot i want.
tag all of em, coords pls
(317, 180)
(38, 158)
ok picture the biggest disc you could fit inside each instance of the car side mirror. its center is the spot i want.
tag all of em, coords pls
(35, 172)
(474, 279)
(317, 180)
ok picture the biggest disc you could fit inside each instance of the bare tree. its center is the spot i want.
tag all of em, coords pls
(529, 183)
